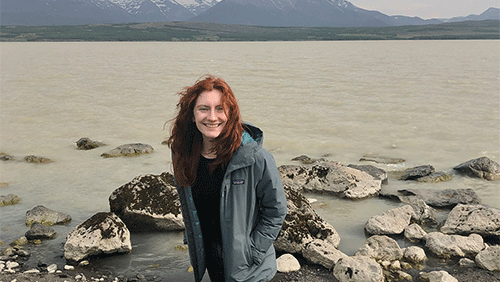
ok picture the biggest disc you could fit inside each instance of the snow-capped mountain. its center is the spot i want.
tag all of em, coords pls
(198, 6)
(335, 13)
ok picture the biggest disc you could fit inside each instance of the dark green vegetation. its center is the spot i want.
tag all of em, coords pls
(192, 31)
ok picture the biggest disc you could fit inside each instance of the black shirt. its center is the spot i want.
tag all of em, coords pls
(206, 195)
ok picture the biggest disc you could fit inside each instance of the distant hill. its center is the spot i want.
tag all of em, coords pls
(306, 13)
(490, 14)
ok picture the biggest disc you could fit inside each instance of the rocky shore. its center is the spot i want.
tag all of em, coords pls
(463, 247)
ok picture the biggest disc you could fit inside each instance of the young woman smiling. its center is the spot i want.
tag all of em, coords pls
(232, 198)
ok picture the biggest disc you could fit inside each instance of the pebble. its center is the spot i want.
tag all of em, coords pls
(69, 267)
(52, 268)
(34, 270)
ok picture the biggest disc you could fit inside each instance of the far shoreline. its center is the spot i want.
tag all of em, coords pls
(210, 32)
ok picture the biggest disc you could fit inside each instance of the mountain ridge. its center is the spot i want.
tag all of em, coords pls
(306, 13)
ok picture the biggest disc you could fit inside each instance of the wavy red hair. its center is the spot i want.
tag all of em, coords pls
(186, 140)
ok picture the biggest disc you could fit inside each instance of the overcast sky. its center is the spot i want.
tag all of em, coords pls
(427, 9)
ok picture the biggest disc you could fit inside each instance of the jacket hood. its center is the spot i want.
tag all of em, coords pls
(251, 141)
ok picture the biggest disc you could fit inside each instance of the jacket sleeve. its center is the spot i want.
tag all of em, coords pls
(272, 209)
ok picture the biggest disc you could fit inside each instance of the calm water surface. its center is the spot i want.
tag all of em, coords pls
(430, 102)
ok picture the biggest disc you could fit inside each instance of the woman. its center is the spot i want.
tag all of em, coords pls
(232, 198)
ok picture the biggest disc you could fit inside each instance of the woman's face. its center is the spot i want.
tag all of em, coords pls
(209, 114)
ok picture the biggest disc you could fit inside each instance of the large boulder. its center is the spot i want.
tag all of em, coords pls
(489, 258)
(447, 246)
(447, 198)
(482, 167)
(382, 248)
(374, 171)
(437, 276)
(40, 231)
(468, 219)
(417, 172)
(46, 216)
(331, 177)
(322, 253)
(415, 255)
(393, 221)
(414, 232)
(103, 233)
(302, 225)
(358, 268)
(148, 203)
(129, 150)
(87, 144)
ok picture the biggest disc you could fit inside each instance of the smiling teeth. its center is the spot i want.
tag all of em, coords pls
(211, 125)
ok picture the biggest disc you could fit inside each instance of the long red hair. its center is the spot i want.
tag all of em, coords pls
(186, 140)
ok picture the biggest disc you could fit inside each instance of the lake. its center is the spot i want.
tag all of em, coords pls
(429, 102)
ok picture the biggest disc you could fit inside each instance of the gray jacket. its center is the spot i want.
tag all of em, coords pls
(252, 210)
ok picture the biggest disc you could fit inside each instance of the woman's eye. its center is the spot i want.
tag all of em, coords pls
(219, 109)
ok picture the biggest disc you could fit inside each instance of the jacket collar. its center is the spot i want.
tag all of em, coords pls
(251, 141)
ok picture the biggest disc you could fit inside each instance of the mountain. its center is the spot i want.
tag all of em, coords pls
(490, 14)
(79, 12)
(312, 13)
(198, 6)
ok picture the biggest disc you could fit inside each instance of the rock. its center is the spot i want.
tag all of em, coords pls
(307, 160)
(468, 219)
(447, 198)
(302, 225)
(20, 241)
(322, 253)
(414, 233)
(435, 177)
(52, 268)
(415, 255)
(489, 258)
(87, 144)
(465, 262)
(46, 216)
(358, 268)
(103, 233)
(148, 203)
(381, 159)
(404, 276)
(437, 276)
(129, 150)
(393, 221)
(380, 247)
(5, 157)
(448, 246)
(37, 160)
(9, 199)
(483, 167)
(417, 172)
(374, 171)
(287, 263)
(40, 231)
(422, 213)
(331, 177)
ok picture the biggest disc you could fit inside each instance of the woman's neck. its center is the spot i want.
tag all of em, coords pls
(207, 150)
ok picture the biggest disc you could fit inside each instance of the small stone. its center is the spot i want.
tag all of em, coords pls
(404, 276)
(190, 269)
(11, 264)
(69, 267)
(34, 270)
(287, 263)
(465, 262)
(52, 268)
(395, 265)
(84, 263)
